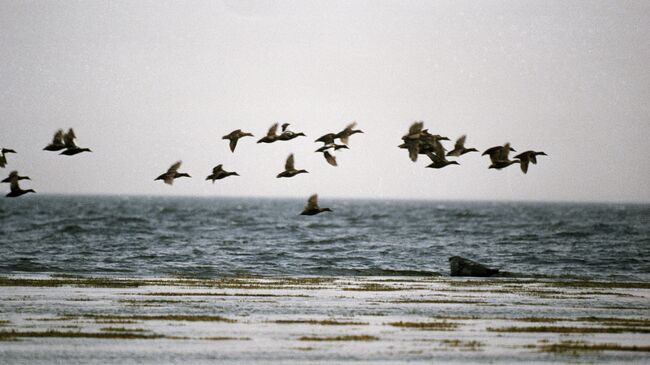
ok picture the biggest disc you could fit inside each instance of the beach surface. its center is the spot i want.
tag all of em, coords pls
(325, 320)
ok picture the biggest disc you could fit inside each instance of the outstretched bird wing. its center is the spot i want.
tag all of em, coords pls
(284, 126)
(175, 167)
(434, 158)
(233, 144)
(312, 202)
(58, 137)
(415, 128)
(344, 135)
(68, 139)
(289, 164)
(272, 131)
(217, 169)
(330, 158)
(504, 152)
(460, 143)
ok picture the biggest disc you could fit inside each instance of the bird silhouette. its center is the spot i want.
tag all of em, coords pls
(13, 176)
(527, 157)
(219, 173)
(459, 148)
(288, 135)
(57, 142)
(15, 190)
(289, 169)
(171, 174)
(3, 156)
(271, 135)
(234, 136)
(70, 146)
(312, 207)
(499, 156)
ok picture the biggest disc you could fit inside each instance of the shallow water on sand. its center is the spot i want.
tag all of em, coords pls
(209, 237)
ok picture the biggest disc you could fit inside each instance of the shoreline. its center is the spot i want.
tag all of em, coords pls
(300, 319)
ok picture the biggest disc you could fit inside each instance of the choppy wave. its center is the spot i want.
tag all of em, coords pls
(214, 237)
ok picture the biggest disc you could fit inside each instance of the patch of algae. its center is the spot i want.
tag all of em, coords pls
(326, 322)
(560, 329)
(12, 335)
(574, 347)
(434, 326)
(340, 338)
(463, 345)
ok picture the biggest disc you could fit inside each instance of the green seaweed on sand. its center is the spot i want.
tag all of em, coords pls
(325, 322)
(122, 329)
(225, 338)
(574, 347)
(222, 294)
(374, 287)
(560, 329)
(164, 317)
(88, 282)
(581, 284)
(10, 335)
(617, 321)
(340, 338)
(434, 326)
(433, 301)
(463, 345)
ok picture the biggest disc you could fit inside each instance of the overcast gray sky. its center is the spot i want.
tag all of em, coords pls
(147, 83)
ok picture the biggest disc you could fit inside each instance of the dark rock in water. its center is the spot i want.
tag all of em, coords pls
(464, 267)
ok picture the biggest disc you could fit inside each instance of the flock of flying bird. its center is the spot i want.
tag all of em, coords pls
(418, 141)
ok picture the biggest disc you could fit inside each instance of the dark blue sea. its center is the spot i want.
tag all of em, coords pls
(209, 237)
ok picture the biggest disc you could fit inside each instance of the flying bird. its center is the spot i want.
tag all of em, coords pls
(172, 173)
(499, 156)
(527, 157)
(3, 156)
(57, 142)
(312, 207)
(13, 176)
(345, 134)
(219, 173)
(289, 169)
(15, 190)
(271, 135)
(287, 135)
(459, 148)
(71, 148)
(438, 159)
(234, 136)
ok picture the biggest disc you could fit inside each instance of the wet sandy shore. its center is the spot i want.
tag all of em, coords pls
(303, 320)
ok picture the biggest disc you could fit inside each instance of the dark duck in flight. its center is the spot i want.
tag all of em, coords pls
(3, 156)
(271, 135)
(57, 142)
(288, 135)
(234, 136)
(312, 207)
(219, 173)
(345, 134)
(527, 157)
(71, 148)
(172, 173)
(14, 188)
(438, 159)
(459, 148)
(289, 169)
(499, 156)
(13, 176)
